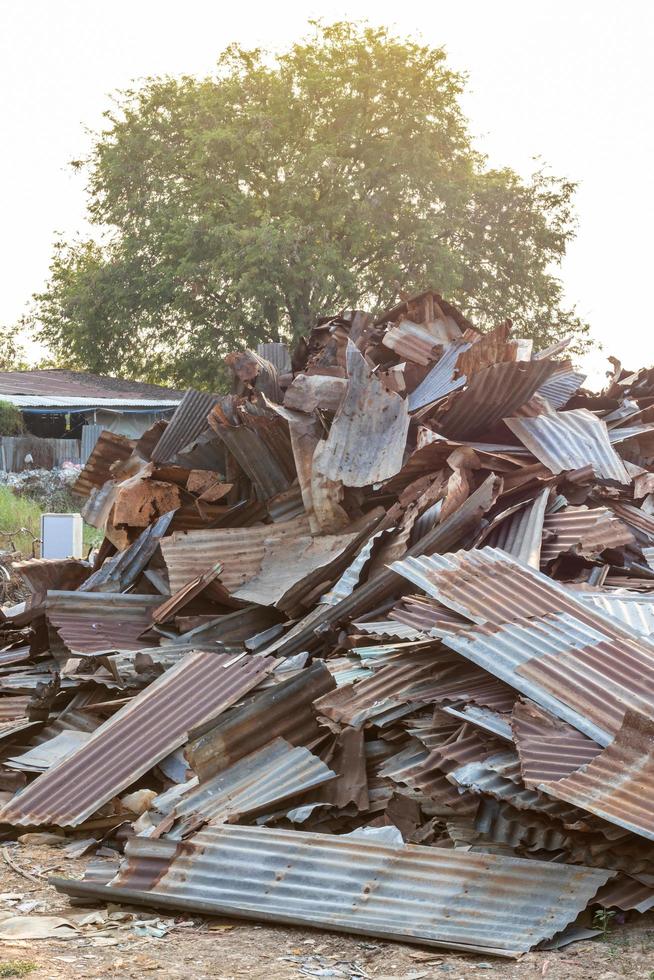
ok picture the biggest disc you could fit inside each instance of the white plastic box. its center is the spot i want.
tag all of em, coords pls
(62, 536)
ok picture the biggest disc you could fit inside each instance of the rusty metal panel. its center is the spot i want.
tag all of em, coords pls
(258, 439)
(285, 710)
(452, 898)
(441, 380)
(389, 688)
(569, 441)
(109, 449)
(150, 727)
(368, 596)
(576, 672)
(561, 387)
(367, 439)
(548, 748)
(635, 609)
(188, 422)
(627, 893)
(416, 342)
(120, 571)
(582, 531)
(100, 622)
(278, 355)
(521, 533)
(617, 784)
(492, 394)
(272, 774)
(489, 586)
(255, 565)
(59, 383)
(240, 550)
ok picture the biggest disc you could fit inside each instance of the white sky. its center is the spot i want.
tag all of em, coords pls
(571, 82)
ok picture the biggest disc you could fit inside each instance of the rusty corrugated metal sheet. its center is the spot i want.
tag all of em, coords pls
(582, 531)
(150, 727)
(492, 394)
(368, 596)
(416, 342)
(548, 748)
(425, 616)
(478, 902)
(570, 440)
(259, 440)
(617, 784)
(255, 565)
(561, 387)
(285, 710)
(385, 627)
(635, 609)
(638, 519)
(61, 383)
(627, 893)
(100, 622)
(278, 355)
(489, 586)
(495, 776)
(574, 671)
(367, 438)
(188, 422)
(240, 550)
(389, 688)
(441, 380)
(109, 449)
(273, 773)
(521, 533)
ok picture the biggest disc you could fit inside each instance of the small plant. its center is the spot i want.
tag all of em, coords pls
(603, 920)
(11, 420)
(16, 968)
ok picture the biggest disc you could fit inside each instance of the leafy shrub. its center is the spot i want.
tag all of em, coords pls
(11, 420)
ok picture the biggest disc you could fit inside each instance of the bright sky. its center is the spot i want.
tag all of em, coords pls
(570, 81)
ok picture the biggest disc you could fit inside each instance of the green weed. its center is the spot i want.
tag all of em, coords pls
(16, 968)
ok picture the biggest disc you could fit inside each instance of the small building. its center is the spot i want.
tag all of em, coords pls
(65, 411)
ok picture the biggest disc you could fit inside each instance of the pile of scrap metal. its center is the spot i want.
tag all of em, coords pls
(367, 644)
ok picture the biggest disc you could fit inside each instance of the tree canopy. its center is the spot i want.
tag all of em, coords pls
(240, 207)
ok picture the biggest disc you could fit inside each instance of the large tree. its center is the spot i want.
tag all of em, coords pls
(240, 207)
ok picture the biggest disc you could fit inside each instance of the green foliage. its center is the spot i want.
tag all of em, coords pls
(12, 352)
(603, 919)
(17, 968)
(11, 420)
(240, 207)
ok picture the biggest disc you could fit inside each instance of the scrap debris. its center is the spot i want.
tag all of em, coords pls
(367, 645)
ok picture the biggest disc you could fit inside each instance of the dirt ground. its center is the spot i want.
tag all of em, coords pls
(122, 942)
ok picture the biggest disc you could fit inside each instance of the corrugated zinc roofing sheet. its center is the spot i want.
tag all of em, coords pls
(617, 785)
(492, 394)
(477, 902)
(572, 670)
(561, 387)
(100, 622)
(110, 448)
(133, 740)
(273, 773)
(635, 609)
(488, 586)
(367, 438)
(570, 441)
(283, 710)
(583, 531)
(441, 380)
(189, 420)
